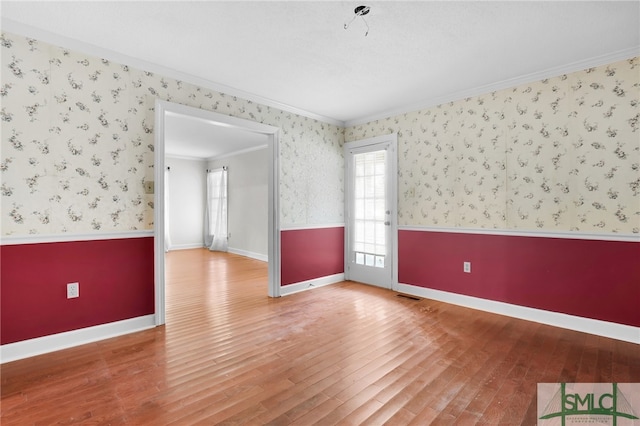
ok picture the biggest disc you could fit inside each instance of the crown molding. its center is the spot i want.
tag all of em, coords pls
(7, 25)
(504, 84)
(184, 157)
(234, 153)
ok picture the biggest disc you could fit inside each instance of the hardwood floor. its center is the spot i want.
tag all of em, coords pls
(342, 354)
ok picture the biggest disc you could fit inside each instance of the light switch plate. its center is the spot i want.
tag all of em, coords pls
(149, 187)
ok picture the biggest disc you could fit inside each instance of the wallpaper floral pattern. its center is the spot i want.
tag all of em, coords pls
(561, 154)
(77, 144)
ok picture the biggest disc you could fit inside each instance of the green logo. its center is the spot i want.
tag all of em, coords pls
(595, 401)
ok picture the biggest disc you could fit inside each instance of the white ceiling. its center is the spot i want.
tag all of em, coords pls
(187, 136)
(298, 54)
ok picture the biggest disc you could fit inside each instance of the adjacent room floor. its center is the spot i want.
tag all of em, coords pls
(341, 354)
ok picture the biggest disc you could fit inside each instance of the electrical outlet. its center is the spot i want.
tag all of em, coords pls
(466, 267)
(73, 290)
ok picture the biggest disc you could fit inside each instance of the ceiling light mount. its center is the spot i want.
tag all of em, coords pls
(359, 11)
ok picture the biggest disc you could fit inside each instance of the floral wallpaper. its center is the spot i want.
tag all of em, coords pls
(77, 144)
(561, 154)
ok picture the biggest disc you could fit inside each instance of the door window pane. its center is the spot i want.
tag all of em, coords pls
(369, 259)
(370, 208)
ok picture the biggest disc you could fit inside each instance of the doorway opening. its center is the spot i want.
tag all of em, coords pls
(164, 109)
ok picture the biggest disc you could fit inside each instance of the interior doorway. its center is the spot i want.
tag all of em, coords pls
(162, 110)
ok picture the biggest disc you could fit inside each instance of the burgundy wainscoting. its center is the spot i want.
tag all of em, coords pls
(116, 282)
(311, 253)
(586, 278)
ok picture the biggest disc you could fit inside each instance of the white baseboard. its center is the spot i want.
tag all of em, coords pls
(55, 342)
(309, 284)
(612, 330)
(186, 246)
(245, 253)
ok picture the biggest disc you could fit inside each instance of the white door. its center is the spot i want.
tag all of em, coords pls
(371, 206)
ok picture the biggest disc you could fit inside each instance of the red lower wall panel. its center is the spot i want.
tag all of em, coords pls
(311, 253)
(116, 283)
(586, 278)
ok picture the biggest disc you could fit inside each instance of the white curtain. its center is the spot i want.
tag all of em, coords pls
(167, 235)
(215, 232)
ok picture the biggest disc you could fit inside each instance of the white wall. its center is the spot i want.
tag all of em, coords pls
(248, 202)
(187, 192)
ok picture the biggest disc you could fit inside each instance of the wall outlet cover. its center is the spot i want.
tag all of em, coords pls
(73, 290)
(466, 267)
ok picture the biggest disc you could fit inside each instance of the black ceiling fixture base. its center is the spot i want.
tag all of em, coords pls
(361, 10)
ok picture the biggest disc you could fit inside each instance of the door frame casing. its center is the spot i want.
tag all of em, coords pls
(273, 134)
(392, 140)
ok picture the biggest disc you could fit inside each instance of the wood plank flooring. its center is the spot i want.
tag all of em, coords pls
(344, 354)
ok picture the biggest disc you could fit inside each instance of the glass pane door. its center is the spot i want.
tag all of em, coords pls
(370, 240)
(370, 211)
